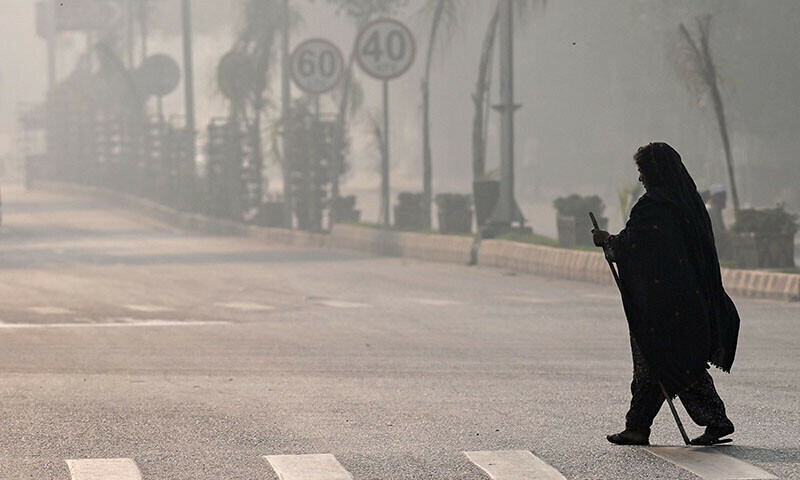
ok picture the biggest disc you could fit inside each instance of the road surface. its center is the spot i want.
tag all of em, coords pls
(132, 350)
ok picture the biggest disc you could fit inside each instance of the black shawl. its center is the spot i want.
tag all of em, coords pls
(677, 309)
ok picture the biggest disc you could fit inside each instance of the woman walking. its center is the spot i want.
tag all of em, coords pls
(679, 316)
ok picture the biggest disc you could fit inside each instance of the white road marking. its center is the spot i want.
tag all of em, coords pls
(50, 310)
(530, 299)
(435, 302)
(341, 304)
(104, 469)
(709, 463)
(125, 322)
(245, 306)
(149, 308)
(513, 465)
(308, 467)
(602, 296)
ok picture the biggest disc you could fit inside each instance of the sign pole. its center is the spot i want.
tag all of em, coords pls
(317, 66)
(385, 189)
(385, 49)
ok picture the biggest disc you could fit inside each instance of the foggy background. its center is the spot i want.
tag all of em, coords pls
(595, 80)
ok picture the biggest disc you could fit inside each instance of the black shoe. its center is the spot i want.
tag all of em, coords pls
(630, 437)
(713, 435)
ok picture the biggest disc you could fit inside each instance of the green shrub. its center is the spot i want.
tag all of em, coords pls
(767, 220)
(578, 206)
(453, 201)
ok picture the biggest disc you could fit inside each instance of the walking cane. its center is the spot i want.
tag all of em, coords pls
(663, 390)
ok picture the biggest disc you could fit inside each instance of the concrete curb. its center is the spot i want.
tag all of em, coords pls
(536, 259)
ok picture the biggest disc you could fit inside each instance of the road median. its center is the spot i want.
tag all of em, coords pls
(553, 262)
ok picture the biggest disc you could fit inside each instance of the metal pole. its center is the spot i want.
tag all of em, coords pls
(385, 189)
(129, 33)
(50, 10)
(504, 213)
(286, 99)
(188, 77)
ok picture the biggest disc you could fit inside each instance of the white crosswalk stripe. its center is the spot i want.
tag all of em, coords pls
(513, 465)
(245, 306)
(104, 469)
(114, 323)
(50, 310)
(436, 302)
(308, 467)
(341, 304)
(524, 299)
(709, 463)
(149, 308)
(602, 296)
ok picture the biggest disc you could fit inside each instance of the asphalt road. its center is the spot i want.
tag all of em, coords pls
(195, 356)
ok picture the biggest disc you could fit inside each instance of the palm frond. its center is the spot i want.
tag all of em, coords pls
(451, 19)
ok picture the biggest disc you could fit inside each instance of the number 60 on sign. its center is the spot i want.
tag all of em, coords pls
(317, 66)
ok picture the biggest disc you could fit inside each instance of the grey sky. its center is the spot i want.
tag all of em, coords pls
(595, 80)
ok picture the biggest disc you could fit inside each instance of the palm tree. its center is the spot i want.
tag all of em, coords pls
(242, 76)
(524, 9)
(700, 67)
(443, 17)
(481, 99)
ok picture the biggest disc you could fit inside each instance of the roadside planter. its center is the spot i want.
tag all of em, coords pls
(454, 212)
(764, 238)
(271, 214)
(344, 209)
(409, 213)
(572, 221)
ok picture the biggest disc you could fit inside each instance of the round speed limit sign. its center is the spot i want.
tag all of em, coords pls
(317, 66)
(385, 48)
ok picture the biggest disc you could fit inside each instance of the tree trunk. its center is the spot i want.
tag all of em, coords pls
(427, 163)
(719, 110)
(709, 71)
(341, 125)
(479, 98)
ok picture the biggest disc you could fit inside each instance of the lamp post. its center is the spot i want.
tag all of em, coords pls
(506, 210)
(188, 77)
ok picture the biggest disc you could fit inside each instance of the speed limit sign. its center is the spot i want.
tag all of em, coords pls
(317, 66)
(385, 48)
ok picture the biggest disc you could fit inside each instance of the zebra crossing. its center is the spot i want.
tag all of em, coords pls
(707, 463)
(104, 469)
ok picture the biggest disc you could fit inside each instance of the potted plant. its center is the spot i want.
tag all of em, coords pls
(343, 209)
(764, 238)
(409, 213)
(455, 212)
(572, 220)
(271, 214)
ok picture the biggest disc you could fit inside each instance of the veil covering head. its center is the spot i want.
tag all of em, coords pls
(671, 284)
(670, 182)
